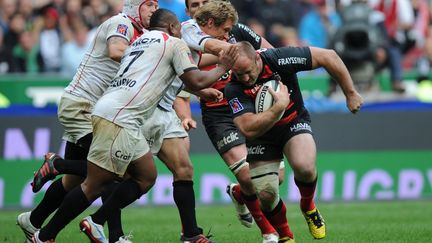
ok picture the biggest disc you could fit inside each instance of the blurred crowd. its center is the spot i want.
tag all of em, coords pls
(53, 35)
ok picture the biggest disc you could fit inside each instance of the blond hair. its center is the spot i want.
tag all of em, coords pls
(219, 11)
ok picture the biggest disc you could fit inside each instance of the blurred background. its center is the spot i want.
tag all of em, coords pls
(383, 153)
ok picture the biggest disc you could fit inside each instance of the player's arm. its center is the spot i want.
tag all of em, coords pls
(116, 47)
(196, 80)
(334, 65)
(253, 125)
(183, 111)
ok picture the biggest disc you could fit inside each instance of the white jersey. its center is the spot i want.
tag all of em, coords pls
(147, 69)
(97, 69)
(195, 38)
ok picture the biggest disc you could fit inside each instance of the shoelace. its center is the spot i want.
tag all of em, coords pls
(316, 219)
(129, 236)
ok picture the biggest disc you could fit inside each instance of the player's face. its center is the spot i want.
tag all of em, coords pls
(246, 70)
(146, 11)
(219, 32)
(194, 5)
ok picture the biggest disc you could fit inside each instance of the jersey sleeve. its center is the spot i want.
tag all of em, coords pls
(289, 59)
(120, 26)
(242, 32)
(182, 59)
(194, 37)
(238, 101)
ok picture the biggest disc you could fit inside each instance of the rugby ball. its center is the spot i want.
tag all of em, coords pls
(264, 99)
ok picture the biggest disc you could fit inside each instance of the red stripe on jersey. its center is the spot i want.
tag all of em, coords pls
(267, 72)
(287, 119)
(165, 36)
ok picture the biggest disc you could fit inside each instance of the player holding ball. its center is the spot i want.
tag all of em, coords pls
(270, 138)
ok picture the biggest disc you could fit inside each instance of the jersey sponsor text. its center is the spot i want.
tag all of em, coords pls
(292, 60)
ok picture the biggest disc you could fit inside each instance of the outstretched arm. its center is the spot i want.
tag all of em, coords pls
(196, 79)
(334, 65)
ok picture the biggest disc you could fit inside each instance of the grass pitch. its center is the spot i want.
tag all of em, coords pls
(392, 221)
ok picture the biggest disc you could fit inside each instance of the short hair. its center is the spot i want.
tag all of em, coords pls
(187, 2)
(162, 18)
(220, 11)
(246, 49)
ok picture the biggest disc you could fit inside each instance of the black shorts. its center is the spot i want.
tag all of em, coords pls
(270, 145)
(221, 129)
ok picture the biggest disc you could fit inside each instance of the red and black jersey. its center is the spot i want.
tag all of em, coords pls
(239, 32)
(278, 64)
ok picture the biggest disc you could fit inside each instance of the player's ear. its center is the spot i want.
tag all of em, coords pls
(257, 57)
(210, 22)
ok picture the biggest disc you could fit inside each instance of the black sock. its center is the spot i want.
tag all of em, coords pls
(184, 198)
(52, 199)
(114, 221)
(73, 204)
(126, 193)
(75, 159)
(71, 167)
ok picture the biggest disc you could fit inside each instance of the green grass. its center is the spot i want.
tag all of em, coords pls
(392, 221)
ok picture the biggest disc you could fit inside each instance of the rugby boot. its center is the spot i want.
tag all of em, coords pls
(46, 172)
(243, 213)
(316, 223)
(95, 232)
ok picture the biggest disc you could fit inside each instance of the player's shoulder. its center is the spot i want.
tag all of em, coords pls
(119, 18)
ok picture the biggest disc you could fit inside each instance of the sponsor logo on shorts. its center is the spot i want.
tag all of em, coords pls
(300, 126)
(123, 82)
(235, 105)
(233, 136)
(259, 149)
(122, 156)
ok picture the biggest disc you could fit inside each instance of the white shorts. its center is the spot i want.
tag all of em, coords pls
(114, 147)
(162, 124)
(74, 113)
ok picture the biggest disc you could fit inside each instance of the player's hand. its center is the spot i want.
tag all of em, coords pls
(229, 57)
(281, 97)
(354, 102)
(210, 94)
(188, 124)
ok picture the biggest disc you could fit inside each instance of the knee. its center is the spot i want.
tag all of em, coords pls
(306, 174)
(184, 172)
(267, 199)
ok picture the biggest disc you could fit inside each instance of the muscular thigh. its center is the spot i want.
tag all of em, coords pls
(300, 151)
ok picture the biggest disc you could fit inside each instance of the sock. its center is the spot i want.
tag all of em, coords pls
(278, 219)
(252, 203)
(126, 193)
(114, 221)
(71, 167)
(184, 198)
(73, 204)
(307, 191)
(52, 199)
(75, 158)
